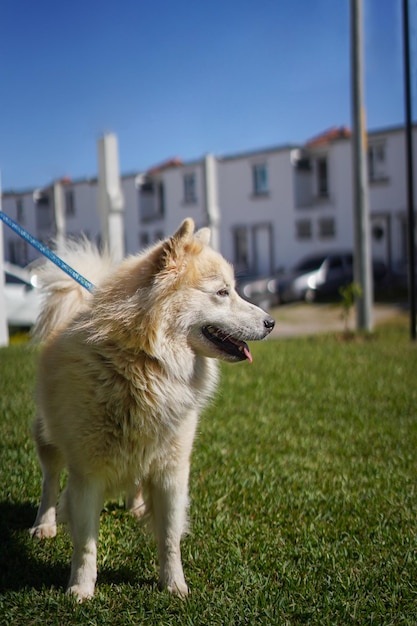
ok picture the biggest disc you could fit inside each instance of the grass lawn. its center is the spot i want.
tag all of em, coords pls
(303, 499)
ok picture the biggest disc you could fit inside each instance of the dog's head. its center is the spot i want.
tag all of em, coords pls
(215, 319)
(182, 291)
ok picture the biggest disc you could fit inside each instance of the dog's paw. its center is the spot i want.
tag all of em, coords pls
(80, 593)
(179, 589)
(43, 531)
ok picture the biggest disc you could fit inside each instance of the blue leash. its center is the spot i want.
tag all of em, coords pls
(22, 232)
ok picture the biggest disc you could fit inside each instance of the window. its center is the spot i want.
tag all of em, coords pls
(322, 178)
(190, 192)
(260, 179)
(18, 252)
(326, 227)
(144, 240)
(161, 200)
(240, 244)
(44, 213)
(147, 187)
(20, 215)
(336, 263)
(376, 162)
(69, 203)
(303, 229)
(151, 200)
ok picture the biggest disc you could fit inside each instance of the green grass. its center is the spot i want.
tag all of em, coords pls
(303, 499)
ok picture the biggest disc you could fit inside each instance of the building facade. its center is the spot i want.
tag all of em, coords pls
(273, 205)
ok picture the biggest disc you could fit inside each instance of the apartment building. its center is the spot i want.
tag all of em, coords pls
(273, 205)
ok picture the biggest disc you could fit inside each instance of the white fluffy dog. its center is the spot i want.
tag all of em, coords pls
(123, 374)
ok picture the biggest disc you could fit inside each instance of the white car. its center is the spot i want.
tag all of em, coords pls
(321, 276)
(22, 295)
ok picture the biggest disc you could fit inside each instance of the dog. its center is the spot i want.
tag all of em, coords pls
(123, 374)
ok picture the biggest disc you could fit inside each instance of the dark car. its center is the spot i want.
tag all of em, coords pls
(258, 290)
(320, 276)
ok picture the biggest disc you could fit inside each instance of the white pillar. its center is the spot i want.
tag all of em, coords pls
(212, 199)
(59, 212)
(110, 196)
(4, 331)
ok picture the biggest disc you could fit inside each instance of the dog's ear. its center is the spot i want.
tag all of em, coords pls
(204, 235)
(174, 248)
(185, 230)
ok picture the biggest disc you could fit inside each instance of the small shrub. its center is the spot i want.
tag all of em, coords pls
(348, 294)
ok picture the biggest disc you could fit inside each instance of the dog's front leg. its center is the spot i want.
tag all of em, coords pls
(169, 497)
(84, 501)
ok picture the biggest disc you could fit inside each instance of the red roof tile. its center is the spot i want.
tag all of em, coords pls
(332, 134)
(173, 162)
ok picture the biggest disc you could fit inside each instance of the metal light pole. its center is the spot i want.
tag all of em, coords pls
(363, 263)
(4, 331)
(409, 173)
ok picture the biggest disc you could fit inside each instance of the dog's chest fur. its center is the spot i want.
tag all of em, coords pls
(117, 412)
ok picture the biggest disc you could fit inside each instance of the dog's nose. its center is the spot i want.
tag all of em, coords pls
(269, 323)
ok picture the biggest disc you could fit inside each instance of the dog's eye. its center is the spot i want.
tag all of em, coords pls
(223, 292)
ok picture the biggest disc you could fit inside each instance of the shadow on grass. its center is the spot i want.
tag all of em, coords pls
(125, 576)
(21, 568)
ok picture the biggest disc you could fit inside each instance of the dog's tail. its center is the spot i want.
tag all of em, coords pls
(64, 298)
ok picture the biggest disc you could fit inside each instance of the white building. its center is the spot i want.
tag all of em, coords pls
(275, 204)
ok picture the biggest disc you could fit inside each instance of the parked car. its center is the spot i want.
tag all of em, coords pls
(320, 276)
(399, 277)
(22, 295)
(258, 290)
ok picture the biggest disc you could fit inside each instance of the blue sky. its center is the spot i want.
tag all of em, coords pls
(177, 78)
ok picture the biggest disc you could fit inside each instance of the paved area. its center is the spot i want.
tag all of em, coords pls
(309, 319)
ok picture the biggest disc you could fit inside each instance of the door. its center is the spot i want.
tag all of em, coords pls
(262, 249)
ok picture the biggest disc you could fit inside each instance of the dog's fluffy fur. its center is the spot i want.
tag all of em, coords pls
(123, 374)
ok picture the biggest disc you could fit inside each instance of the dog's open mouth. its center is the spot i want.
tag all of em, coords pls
(227, 343)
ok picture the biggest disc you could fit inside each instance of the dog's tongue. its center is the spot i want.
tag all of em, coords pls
(247, 353)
